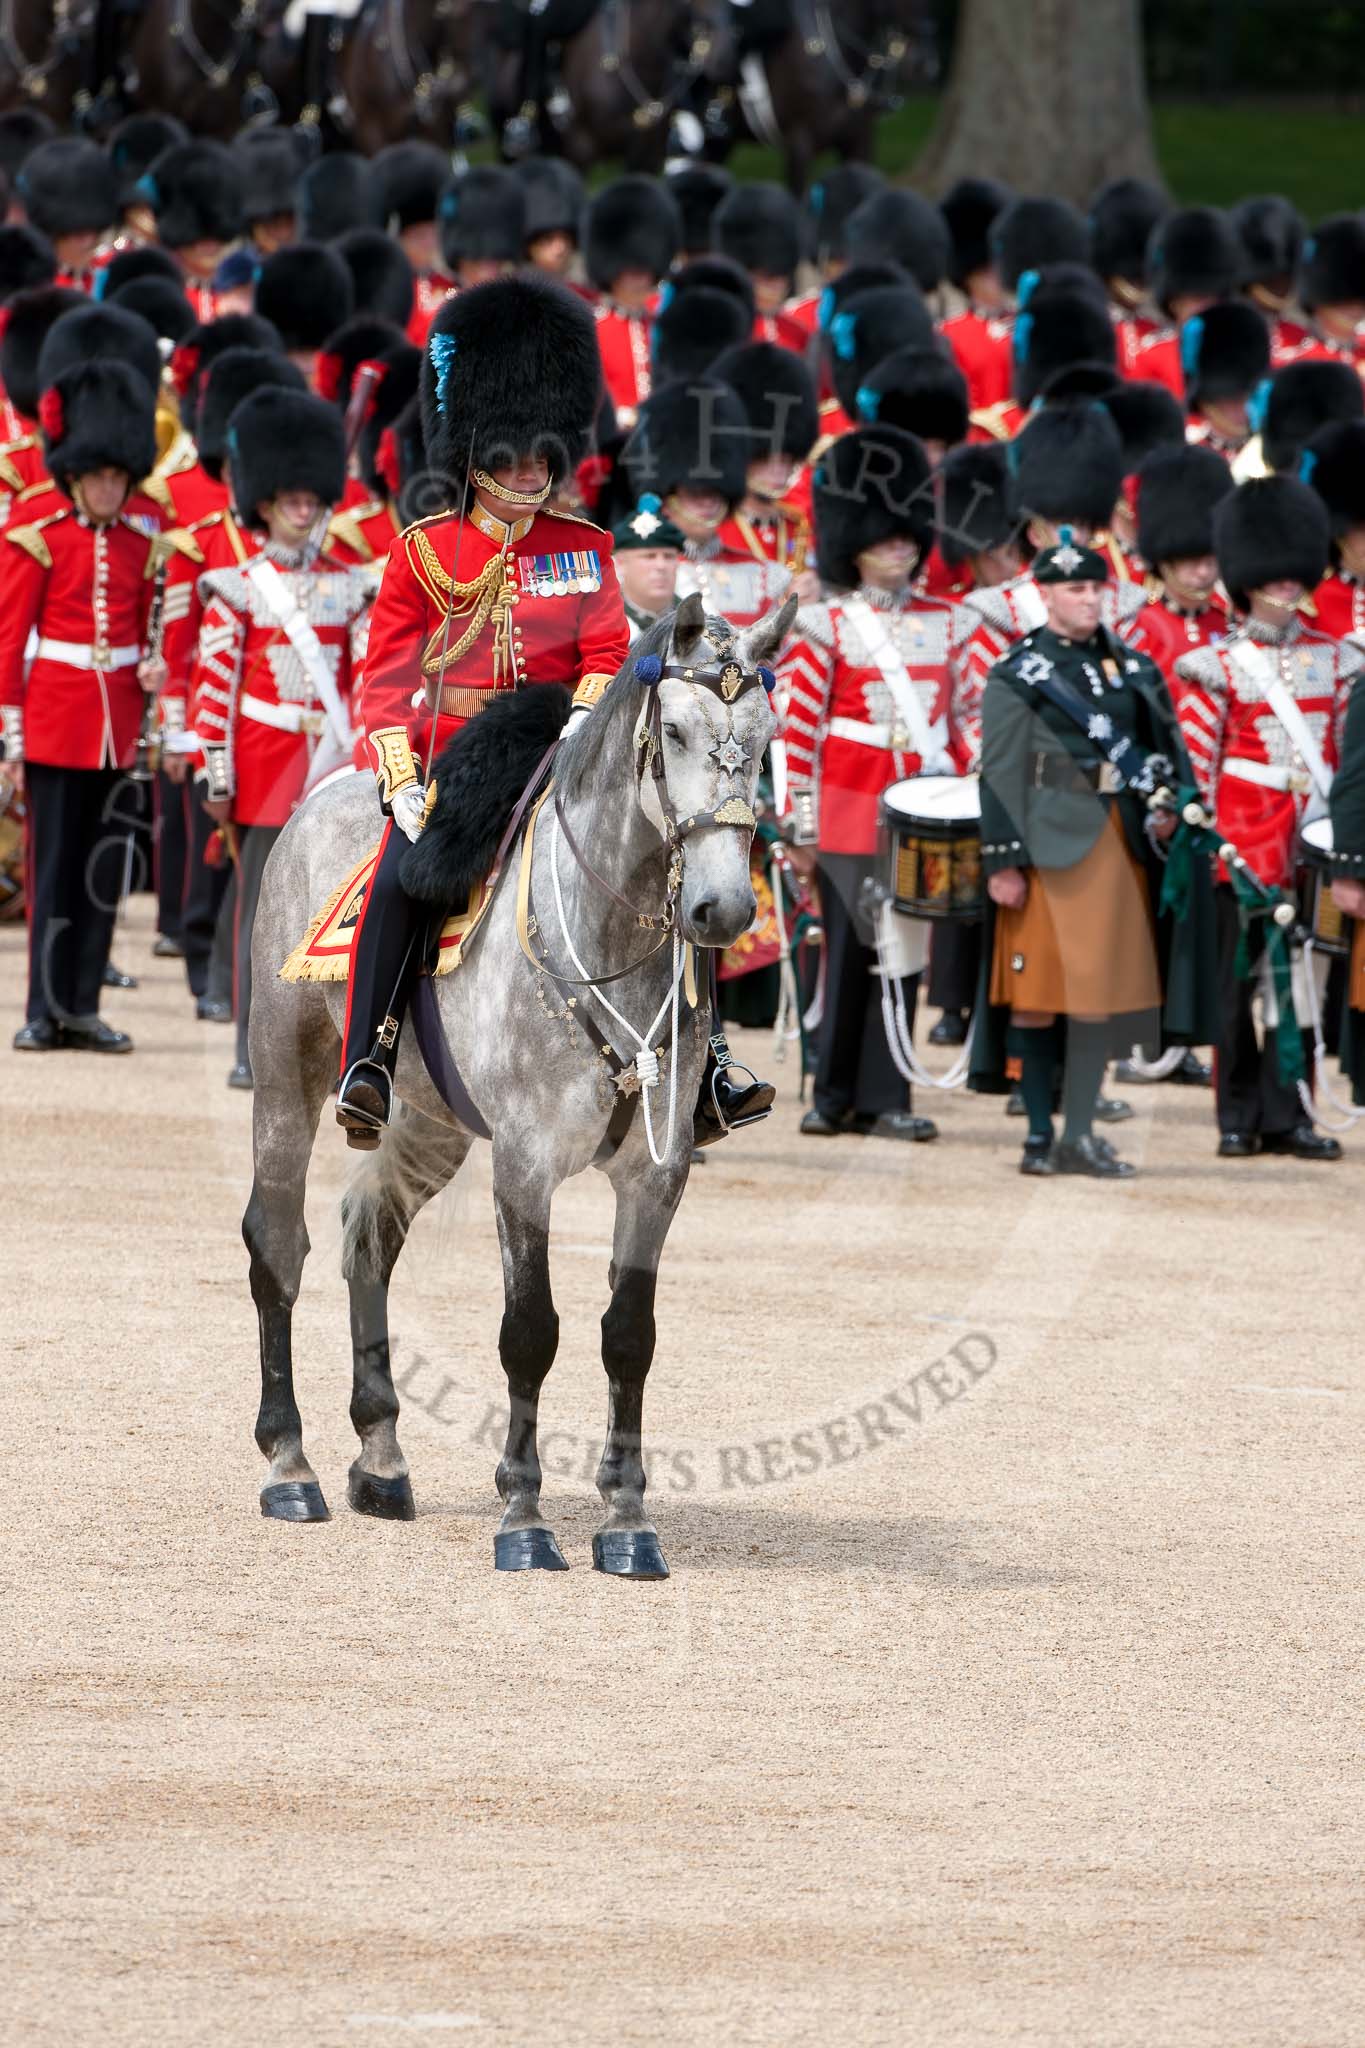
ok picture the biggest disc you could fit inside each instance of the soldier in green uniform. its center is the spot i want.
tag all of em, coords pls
(1347, 804)
(1078, 730)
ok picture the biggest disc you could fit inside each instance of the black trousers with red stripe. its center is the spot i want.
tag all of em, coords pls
(386, 953)
(79, 820)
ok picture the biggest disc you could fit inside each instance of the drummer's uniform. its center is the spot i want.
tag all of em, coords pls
(623, 343)
(430, 290)
(260, 706)
(1255, 780)
(998, 616)
(845, 746)
(736, 587)
(1167, 630)
(780, 533)
(534, 601)
(1347, 864)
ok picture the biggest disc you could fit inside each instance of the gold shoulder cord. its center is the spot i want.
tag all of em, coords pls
(486, 596)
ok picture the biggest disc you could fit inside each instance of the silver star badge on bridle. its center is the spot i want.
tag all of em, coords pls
(729, 755)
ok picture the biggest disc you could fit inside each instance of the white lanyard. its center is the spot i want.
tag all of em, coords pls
(929, 742)
(275, 594)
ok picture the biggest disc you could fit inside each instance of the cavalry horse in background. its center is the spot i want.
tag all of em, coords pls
(46, 55)
(637, 855)
(410, 68)
(216, 64)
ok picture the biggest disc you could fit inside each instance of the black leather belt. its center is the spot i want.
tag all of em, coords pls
(1059, 771)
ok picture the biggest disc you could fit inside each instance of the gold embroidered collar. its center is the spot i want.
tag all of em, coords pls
(498, 530)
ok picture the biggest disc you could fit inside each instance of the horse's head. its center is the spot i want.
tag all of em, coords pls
(706, 722)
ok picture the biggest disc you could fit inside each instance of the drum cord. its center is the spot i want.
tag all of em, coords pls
(1158, 1069)
(901, 1045)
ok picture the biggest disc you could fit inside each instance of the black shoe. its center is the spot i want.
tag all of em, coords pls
(42, 1036)
(1192, 1073)
(1015, 1105)
(213, 1010)
(726, 1104)
(167, 949)
(815, 1124)
(898, 1123)
(1303, 1142)
(95, 1036)
(1109, 1110)
(365, 1103)
(1239, 1145)
(1037, 1157)
(1091, 1156)
(241, 1076)
(114, 977)
(951, 1029)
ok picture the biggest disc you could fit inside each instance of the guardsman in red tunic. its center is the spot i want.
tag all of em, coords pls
(978, 532)
(1196, 259)
(195, 193)
(923, 392)
(26, 265)
(1123, 215)
(1271, 231)
(631, 237)
(77, 579)
(1261, 714)
(555, 197)
(307, 293)
(971, 207)
(27, 319)
(1024, 237)
(1332, 288)
(67, 194)
(105, 334)
(778, 395)
(1296, 403)
(271, 696)
(866, 684)
(1333, 463)
(352, 372)
(830, 202)
(1178, 491)
(411, 177)
(758, 226)
(481, 218)
(1225, 355)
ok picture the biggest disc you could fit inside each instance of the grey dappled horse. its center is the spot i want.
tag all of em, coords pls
(541, 1086)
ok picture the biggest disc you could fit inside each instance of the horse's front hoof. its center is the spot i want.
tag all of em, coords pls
(388, 1500)
(294, 1500)
(628, 1554)
(527, 1550)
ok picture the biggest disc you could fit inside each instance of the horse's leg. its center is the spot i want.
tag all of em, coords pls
(414, 1162)
(285, 1109)
(527, 1341)
(626, 1544)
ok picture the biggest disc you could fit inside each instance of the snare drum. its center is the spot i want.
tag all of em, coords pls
(1319, 913)
(933, 828)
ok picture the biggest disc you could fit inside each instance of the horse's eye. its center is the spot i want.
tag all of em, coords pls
(671, 733)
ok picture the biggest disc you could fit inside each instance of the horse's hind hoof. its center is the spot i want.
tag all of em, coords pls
(388, 1500)
(527, 1550)
(628, 1554)
(294, 1500)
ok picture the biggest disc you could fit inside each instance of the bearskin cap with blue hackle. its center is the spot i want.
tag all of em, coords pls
(511, 369)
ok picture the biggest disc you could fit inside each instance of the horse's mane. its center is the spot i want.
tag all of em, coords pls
(611, 724)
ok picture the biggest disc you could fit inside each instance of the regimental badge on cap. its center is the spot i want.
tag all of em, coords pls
(575, 574)
(1067, 558)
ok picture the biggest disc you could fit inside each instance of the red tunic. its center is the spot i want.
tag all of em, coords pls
(430, 290)
(983, 348)
(843, 733)
(213, 541)
(1164, 631)
(623, 343)
(782, 535)
(84, 590)
(782, 331)
(21, 469)
(549, 610)
(1150, 352)
(805, 314)
(362, 532)
(1339, 606)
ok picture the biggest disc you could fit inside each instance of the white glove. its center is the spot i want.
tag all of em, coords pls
(575, 718)
(408, 808)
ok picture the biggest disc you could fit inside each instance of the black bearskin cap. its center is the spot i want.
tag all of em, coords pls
(1333, 464)
(554, 194)
(871, 485)
(393, 396)
(759, 227)
(692, 330)
(896, 226)
(511, 369)
(98, 415)
(1123, 214)
(1068, 465)
(1032, 232)
(195, 191)
(1055, 331)
(712, 274)
(280, 440)
(1271, 232)
(689, 436)
(1224, 351)
(380, 273)
(631, 224)
(697, 190)
(1301, 398)
(869, 326)
(1194, 253)
(146, 259)
(831, 201)
(230, 378)
(482, 217)
(1273, 529)
(160, 303)
(1147, 416)
(22, 130)
(105, 332)
(779, 398)
(27, 261)
(919, 390)
(28, 320)
(191, 362)
(1177, 492)
(134, 146)
(336, 193)
(976, 509)
(1334, 262)
(362, 340)
(66, 189)
(970, 207)
(410, 177)
(270, 162)
(306, 292)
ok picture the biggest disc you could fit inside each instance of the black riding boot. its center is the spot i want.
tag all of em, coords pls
(102, 100)
(726, 1104)
(385, 956)
(315, 68)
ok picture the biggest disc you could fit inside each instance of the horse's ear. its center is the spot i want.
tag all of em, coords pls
(689, 624)
(765, 639)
